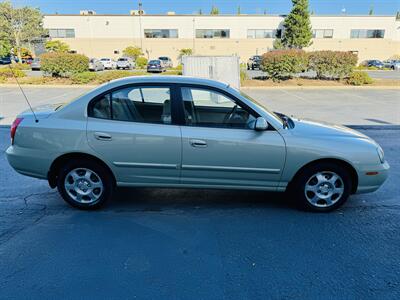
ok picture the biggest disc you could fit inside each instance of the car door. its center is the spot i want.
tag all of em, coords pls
(133, 130)
(220, 146)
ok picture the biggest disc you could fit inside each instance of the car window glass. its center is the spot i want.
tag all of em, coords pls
(101, 108)
(142, 104)
(209, 108)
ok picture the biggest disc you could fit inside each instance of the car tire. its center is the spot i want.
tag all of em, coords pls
(321, 187)
(95, 186)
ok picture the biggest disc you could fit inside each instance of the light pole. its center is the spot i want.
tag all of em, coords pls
(140, 24)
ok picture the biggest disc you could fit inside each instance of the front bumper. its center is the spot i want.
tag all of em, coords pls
(370, 183)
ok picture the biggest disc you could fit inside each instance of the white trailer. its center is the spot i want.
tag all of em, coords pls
(221, 68)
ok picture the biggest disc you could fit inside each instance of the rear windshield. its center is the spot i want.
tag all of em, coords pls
(122, 59)
(105, 59)
(154, 62)
(163, 58)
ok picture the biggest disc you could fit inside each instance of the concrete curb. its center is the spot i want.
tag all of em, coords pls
(322, 87)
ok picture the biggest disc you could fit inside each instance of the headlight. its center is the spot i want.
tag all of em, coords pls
(381, 154)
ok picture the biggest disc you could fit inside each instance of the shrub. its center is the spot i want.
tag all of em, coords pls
(63, 64)
(3, 79)
(83, 78)
(282, 64)
(21, 66)
(132, 52)
(335, 64)
(111, 75)
(141, 62)
(8, 73)
(56, 46)
(359, 78)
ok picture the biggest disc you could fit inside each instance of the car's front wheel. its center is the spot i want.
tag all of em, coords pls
(85, 184)
(322, 187)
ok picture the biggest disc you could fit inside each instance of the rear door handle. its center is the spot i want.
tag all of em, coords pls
(198, 143)
(102, 136)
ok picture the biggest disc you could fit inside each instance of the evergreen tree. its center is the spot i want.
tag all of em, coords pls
(297, 24)
(238, 10)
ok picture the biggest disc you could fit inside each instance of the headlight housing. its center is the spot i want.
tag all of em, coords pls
(381, 154)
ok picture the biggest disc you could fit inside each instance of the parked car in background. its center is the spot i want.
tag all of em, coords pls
(166, 61)
(35, 65)
(254, 62)
(5, 60)
(125, 63)
(155, 65)
(95, 65)
(27, 60)
(108, 63)
(181, 132)
(392, 64)
(374, 63)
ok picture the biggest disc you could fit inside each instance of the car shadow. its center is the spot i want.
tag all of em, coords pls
(163, 199)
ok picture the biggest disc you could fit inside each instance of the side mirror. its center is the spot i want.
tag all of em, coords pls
(261, 124)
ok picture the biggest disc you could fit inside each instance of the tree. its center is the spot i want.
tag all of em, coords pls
(56, 46)
(20, 26)
(214, 10)
(185, 51)
(278, 44)
(132, 52)
(297, 26)
(5, 48)
(371, 10)
(238, 10)
(200, 12)
(398, 16)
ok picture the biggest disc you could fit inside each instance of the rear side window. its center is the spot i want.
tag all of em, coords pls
(135, 104)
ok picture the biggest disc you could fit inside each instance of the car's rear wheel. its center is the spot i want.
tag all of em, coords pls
(85, 184)
(322, 187)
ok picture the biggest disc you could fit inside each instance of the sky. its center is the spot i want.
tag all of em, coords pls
(380, 7)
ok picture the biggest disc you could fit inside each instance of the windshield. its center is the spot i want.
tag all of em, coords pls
(122, 59)
(262, 107)
(154, 62)
(105, 59)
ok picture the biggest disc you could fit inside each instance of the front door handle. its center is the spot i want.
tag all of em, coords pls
(198, 143)
(102, 136)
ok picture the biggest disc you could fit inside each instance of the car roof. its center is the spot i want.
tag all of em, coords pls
(163, 79)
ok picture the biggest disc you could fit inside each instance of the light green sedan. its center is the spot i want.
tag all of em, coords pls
(183, 132)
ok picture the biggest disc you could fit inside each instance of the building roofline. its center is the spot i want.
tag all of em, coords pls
(215, 16)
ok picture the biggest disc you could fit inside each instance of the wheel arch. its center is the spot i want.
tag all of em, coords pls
(59, 161)
(352, 171)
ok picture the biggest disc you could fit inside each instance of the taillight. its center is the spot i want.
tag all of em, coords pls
(14, 127)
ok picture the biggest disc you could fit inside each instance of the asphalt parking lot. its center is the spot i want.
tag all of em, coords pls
(198, 244)
(342, 106)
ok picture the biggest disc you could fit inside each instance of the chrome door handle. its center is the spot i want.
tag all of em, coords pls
(198, 143)
(102, 136)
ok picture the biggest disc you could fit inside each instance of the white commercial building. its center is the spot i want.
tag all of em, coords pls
(372, 37)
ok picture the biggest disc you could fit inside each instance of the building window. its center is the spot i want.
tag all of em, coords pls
(161, 33)
(62, 33)
(367, 33)
(263, 33)
(322, 33)
(212, 33)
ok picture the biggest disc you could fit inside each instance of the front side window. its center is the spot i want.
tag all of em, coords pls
(135, 104)
(212, 33)
(207, 108)
(161, 33)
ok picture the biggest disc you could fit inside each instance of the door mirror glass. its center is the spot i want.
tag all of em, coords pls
(261, 124)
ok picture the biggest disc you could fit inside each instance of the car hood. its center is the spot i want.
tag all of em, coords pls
(323, 129)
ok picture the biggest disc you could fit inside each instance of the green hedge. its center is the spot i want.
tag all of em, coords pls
(141, 62)
(59, 64)
(83, 78)
(283, 64)
(6, 72)
(333, 64)
(359, 78)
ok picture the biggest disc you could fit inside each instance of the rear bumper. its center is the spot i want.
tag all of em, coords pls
(28, 162)
(370, 183)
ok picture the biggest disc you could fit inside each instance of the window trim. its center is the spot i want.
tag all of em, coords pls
(212, 88)
(175, 113)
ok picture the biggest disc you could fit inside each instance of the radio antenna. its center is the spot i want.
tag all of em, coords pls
(23, 93)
